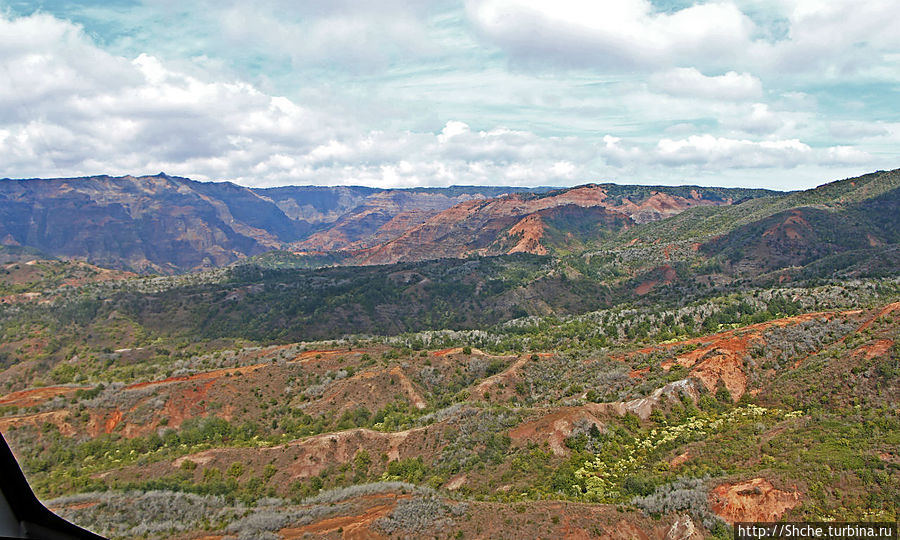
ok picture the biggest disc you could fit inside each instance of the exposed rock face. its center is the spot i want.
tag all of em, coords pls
(381, 217)
(683, 529)
(643, 407)
(529, 230)
(554, 428)
(168, 224)
(753, 500)
(519, 223)
(305, 458)
(317, 204)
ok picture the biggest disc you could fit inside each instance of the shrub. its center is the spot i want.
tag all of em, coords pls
(683, 495)
(419, 515)
(235, 470)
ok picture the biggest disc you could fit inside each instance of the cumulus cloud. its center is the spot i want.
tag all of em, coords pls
(759, 120)
(72, 108)
(68, 107)
(846, 155)
(611, 33)
(618, 154)
(691, 83)
(838, 37)
(708, 151)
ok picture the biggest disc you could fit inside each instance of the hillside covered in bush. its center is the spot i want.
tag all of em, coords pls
(667, 375)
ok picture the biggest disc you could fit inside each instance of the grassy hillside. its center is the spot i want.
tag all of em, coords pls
(798, 407)
(804, 234)
(744, 367)
(705, 222)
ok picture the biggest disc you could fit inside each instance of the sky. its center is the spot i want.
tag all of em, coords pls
(400, 93)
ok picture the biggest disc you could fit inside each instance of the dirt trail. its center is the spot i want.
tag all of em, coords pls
(306, 356)
(638, 373)
(886, 310)
(57, 418)
(459, 350)
(36, 396)
(414, 396)
(880, 348)
(204, 376)
(503, 376)
(353, 527)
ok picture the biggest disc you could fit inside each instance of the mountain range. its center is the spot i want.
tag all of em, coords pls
(165, 224)
(596, 361)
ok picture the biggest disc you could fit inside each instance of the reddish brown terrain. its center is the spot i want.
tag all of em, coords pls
(515, 223)
(381, 217)
(753, 500)
(638, 379)
(368, 516)
(166, 224)
(330, 385)
(36, 396)
(41, 279)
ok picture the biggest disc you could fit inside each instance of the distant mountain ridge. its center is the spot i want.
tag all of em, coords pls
(167, 224)
(517, 222)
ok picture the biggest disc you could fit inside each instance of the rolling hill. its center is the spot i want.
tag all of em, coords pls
(600, 361)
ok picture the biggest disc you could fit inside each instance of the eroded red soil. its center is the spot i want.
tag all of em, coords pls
(352, 527)
(753, 500)
(554, 428)
(36, 396)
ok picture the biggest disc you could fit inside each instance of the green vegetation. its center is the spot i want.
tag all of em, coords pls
(754, 341)
(626, 464)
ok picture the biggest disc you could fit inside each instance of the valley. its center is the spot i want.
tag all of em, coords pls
(601, 361)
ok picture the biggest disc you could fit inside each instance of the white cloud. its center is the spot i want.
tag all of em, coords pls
(759, 120)
(846, 155)
(147, 117)
(707, 151)
(452, 129)
(690, 82)
(72, 108)
(838, 37)
(617, 154)
(611, 33)
(831, 39)
(723, 152)
(857, 130)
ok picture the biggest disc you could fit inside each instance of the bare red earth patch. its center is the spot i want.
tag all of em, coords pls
(753, 500)
(36, 396)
